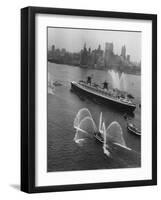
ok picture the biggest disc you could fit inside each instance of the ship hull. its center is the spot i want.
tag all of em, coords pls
(105, 100)
(134, 132)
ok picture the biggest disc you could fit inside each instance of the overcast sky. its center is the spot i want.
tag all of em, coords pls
(73, 40)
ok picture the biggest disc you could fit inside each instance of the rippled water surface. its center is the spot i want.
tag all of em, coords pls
(63, 153)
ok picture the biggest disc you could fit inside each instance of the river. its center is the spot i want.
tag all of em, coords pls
(63, 154)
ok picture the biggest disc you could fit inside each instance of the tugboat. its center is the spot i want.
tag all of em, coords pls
(99, 136)
(132, 129)
(104, 94)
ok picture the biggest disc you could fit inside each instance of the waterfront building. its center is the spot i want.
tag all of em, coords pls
(94, 58)
(63, 52)
(99, 60)
(123, 52)
(84, 56)
(128, 58)
(53, 50)
(108, 54)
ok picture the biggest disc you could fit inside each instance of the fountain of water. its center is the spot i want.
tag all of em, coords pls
(114, 134)
(51, 87)
(105, 144)
(118, 80)
(86, 127)
(123, 85)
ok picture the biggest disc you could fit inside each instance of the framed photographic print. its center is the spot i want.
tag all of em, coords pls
(88, 99)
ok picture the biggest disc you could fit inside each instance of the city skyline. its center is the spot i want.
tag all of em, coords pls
(74, 39)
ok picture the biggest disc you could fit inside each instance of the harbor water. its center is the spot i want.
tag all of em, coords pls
(63, 153)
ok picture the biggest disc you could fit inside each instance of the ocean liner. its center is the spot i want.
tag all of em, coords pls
(105, 95)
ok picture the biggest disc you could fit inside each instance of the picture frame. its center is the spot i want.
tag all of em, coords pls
(29, 106)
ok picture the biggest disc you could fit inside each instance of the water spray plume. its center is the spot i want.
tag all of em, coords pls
(100, 122)
(86, 128)
(118, 80)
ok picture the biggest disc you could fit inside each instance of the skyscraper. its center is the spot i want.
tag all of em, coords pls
(128, 58)
(53, 50)
(123, 52)
(84, 56)
(108, 53)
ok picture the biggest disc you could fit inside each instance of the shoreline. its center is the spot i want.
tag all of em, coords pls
(102, 69)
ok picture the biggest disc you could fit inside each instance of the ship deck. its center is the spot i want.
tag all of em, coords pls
(102, 94)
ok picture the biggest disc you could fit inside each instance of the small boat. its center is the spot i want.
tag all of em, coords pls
(99, 137)
(57, 83)
(130, 96)
(132, 128)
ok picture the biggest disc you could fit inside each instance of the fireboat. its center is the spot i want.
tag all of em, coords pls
(99, 136)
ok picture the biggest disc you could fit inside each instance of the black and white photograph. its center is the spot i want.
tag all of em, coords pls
(93, 99)
(89, 99)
